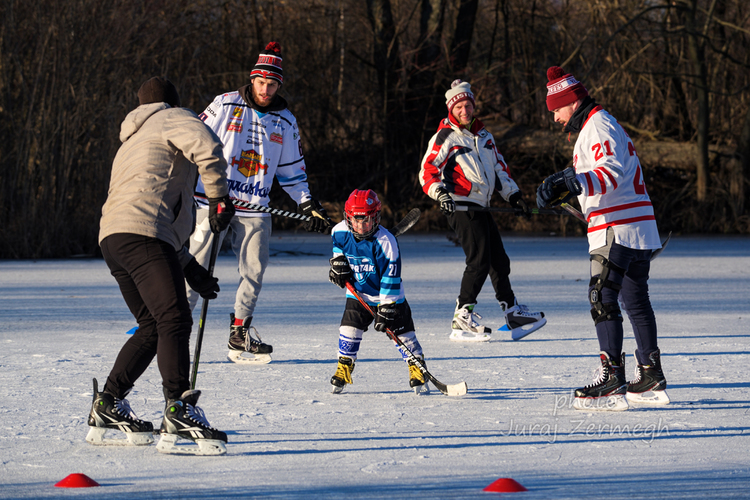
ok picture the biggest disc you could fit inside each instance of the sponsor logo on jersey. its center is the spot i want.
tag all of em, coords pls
(256, 124)
(362, 268)
(277, 138)
(247, 188)
(249, 163)
(237, 112)
(235, 126)
(210, 111)
(253, 141)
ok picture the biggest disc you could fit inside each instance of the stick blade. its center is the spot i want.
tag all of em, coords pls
(406, 223)
(457, 389)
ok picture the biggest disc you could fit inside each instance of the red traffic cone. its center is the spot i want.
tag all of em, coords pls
(77, 481)
(505, 485)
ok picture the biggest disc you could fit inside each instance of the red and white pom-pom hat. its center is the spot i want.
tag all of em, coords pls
(459, 91)
(269, 64)
(563, 89)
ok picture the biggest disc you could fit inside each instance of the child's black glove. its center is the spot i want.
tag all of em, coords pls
(386, 316)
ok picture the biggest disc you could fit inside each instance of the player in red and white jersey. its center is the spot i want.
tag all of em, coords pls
(608, 179)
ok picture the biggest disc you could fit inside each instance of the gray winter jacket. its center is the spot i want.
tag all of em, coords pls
(155, 171)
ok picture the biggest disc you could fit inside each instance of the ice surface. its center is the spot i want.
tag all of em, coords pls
(62, 323)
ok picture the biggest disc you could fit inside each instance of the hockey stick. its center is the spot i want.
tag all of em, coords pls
(451, 390)
(664, 244)
(204, 312)
(406, 223)
(508, 210)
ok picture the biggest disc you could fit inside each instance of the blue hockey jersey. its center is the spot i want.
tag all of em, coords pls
(376, 263)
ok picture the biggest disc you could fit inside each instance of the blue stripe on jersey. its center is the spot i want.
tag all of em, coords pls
(290, 180)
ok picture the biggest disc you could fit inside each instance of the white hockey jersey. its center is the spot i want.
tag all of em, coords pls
(614, 192)
(258, 147)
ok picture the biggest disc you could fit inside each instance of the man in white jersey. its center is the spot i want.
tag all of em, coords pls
(261, 142)
(608, 180)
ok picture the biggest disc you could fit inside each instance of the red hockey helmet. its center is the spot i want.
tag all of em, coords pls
(362, 213)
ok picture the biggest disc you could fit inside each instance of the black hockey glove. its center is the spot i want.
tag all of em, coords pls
(385, 317)
(340, 272)
(557, 184)
(320, 222)
(447, 205)
(220, 213)
(200, 281)
(519, 206)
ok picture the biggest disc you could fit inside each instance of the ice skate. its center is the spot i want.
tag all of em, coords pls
(417, 379)
(466, 328)
(245, 345)
(607, 393)
(109, 412)
(520, 322)
(343, 375)
(649, 385)
(183, 419)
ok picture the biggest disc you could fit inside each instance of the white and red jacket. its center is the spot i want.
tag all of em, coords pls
(466, 163)
(614, 192)
(258, 146)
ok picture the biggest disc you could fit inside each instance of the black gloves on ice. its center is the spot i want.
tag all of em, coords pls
(447, 205)
(340, 272)
(220, 213)
(320, 222)
(556, 185)
(386, 316)
(520, 206)
(200, 281)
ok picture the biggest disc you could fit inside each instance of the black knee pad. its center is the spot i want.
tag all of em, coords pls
(611, 310)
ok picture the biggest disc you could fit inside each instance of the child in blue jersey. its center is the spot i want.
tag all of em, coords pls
(367, 255)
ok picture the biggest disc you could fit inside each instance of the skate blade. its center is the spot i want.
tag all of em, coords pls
(256, 359)
(465, 336)
(336, 389)
(96, 437)
(657, 398)
(521, 331)
(607, 403)
(422, 390)
(205, 447)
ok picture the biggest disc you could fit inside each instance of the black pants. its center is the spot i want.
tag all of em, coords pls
(485, 254)
(153, 286)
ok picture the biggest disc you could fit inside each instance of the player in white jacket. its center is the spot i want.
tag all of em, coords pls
(261, 142)
(608, 179)
(461, 170)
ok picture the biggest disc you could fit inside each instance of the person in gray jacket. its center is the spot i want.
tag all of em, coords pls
(145, 225)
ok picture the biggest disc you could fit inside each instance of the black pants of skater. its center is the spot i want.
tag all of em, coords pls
(485, 255)
(634, 297)
(152, 283)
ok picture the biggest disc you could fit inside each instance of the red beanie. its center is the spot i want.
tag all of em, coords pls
(563, 89)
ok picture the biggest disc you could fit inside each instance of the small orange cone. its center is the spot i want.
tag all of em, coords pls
(505, 485)
(77, 481)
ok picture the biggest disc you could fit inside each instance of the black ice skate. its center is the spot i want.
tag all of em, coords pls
(343, 374)
(183, 419)
(417, 380)
(242, 340)
(649, 385)
(607, 393)
(109, 412)
(520, 322)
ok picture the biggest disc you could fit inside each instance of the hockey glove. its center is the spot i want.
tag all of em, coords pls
(199, 280)
(320, 222)
(385, 317)
(220, 213)
(520, 206)
(340, 273)
(557, 184)
(447, 205)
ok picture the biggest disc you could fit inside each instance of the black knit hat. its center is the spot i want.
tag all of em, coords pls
(269, 64)
(158, 89)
